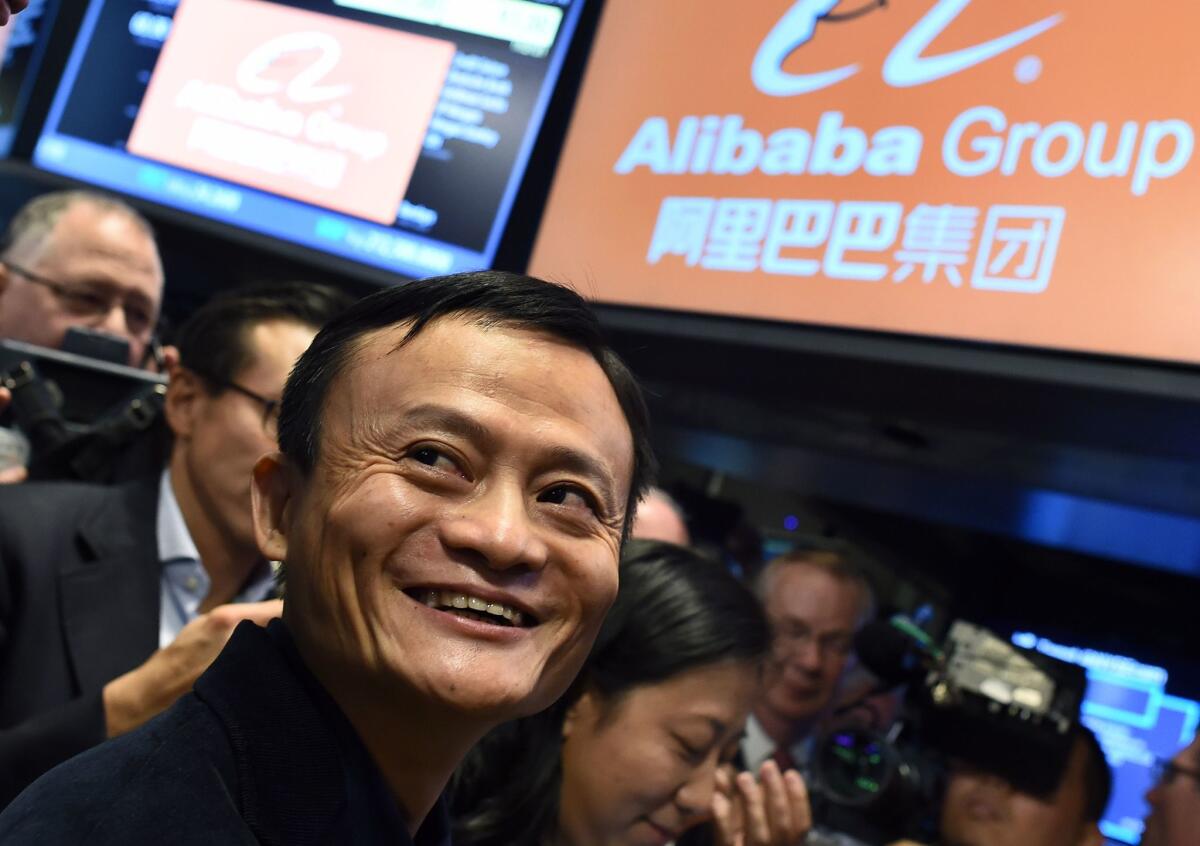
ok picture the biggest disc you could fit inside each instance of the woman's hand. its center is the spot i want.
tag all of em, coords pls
(772, 811)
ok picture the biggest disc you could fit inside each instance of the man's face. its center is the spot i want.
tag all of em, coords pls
(981, 809)
(1175, 803)
(480, 467)
(109, 268)
(814, 617)
(220, 433)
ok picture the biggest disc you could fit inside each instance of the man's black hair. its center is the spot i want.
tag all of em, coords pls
(489, 298)
(1097, 777)
(213, 341)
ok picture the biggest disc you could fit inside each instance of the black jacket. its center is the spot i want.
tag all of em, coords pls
(79, 606)
(257, 753)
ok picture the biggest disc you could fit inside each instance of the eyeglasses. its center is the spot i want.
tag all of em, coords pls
(270, 417)
(794, 637)
(93, 301)
(1166, 771)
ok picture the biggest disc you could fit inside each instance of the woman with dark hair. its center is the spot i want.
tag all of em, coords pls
(634, 753)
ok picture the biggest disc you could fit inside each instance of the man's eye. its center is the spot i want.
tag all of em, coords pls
(435, 458)
(137, 320)
(569, 496)
(87, 302)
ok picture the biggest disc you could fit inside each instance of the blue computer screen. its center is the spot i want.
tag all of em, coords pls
(22, 43)
(390, 133)
(1136, 720)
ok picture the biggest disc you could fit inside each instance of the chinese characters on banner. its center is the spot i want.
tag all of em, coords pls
(859, 240)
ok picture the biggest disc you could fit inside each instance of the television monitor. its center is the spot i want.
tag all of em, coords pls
(22, 45)
(1136, 720)
(391, 134)
(1008, 173)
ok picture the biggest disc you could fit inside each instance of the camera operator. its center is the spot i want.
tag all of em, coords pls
(1175, 801)
(983, 809)
(80, 259)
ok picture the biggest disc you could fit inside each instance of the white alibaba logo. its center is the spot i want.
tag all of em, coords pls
(904, 67)
(304, 86)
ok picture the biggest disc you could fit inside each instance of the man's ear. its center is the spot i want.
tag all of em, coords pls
(273, 491)
(185, 391)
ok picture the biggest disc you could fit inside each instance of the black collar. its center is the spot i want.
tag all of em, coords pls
(303, 775)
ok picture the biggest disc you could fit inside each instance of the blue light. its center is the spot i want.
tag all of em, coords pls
(791, 522)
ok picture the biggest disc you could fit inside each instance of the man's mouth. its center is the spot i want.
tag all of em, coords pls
(472, 607)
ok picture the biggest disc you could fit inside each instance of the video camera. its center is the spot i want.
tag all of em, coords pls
(975, 698)
(76, 410)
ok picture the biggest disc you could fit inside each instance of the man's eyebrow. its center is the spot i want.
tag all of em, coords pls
(581, 463)
(443, 419)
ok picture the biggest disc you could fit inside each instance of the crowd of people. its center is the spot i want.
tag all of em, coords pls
(401, 575)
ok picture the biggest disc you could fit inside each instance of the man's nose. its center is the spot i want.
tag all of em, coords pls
(496, 526)
(808, 655)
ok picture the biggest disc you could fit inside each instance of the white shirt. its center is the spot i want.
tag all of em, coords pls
(758, 747)
(185, 583)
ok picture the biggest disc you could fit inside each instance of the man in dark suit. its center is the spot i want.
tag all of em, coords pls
(114, 599)
(459, 460)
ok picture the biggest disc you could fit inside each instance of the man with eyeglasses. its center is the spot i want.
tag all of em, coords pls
(816, 601)
(114, 599)
(1175, 801)
(80, 259)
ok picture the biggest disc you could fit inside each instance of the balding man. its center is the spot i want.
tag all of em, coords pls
(659, 517)
(80, 259)
(816, 600)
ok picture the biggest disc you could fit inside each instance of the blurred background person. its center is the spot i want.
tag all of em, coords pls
(631, 754)
(114, 599)
(1175, 801)
(80, 258)
(816, 601)
(983, 809)
(660, 517)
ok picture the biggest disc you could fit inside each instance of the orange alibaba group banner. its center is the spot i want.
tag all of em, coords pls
(1004, 172)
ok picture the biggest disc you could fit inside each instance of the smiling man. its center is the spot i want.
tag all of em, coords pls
(458, 462)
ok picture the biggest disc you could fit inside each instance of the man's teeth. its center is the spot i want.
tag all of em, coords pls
(448, 599)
